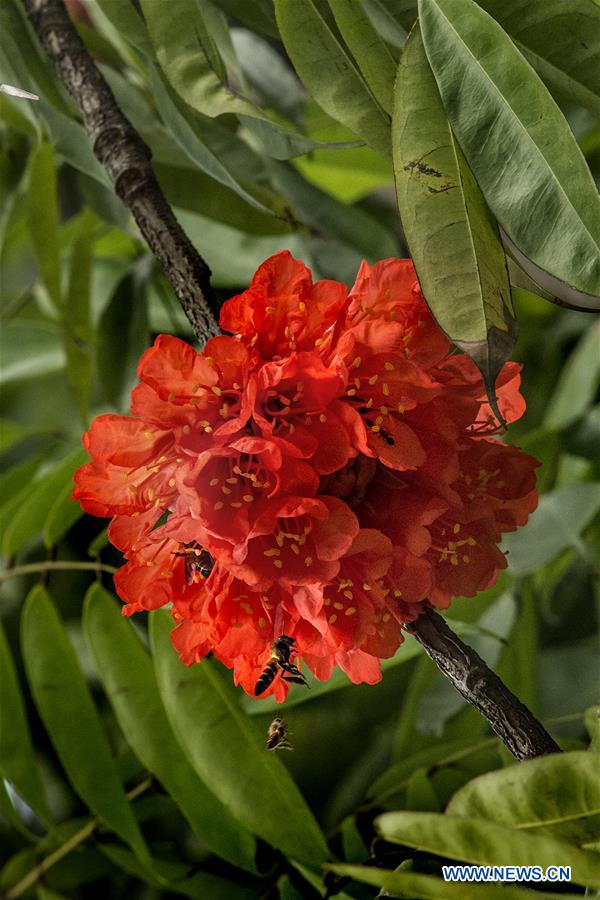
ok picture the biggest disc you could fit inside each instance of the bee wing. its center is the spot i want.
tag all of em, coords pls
(17, 92)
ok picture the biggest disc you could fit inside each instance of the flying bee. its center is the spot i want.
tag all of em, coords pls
(277, 736)
(196, 559)
(281, 650)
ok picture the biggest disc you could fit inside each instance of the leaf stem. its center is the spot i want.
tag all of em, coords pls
(49, 565)
(78, 838)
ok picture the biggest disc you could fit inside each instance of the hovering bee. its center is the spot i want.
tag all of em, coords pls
(196, 559)
(277, 736)
(281, 650)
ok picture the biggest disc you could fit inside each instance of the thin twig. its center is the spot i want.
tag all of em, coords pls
(49, 565)
(524, 736)
(126, 158)
(74, 841)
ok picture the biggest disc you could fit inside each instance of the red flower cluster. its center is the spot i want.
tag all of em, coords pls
(333, 457)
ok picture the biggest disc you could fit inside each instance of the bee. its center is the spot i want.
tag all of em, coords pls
(277, 736)
(196, 559)
(281, 650)
(384, 434)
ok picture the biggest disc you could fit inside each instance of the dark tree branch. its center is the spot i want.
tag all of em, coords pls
(524, 736)
(126, 158)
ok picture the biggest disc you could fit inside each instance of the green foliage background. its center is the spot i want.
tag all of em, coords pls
(271, 126)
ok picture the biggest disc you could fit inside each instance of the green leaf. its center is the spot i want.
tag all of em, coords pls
(72, 142)
(128, 677)
(352, 225)
(186, 54)
(28, 520)
(556, 525)
(17, 758)
(592, 723)
(420, 793)
(227, 751)
(559, 794)
(42, 218)
(122, 335)
(517, 142)
(560, 39)
(124, 15)
(451, 235)
(76, 316)
(408, 884)
(395, 779)
(14, 479)
(11, 433)
(329, 73)
(386, 18)
(29, 349)
(193, 190)
(191, 144)
(200, 886)
(63, 514)
(376, 63)
(477, 841)
(68, 712)
(578, 382)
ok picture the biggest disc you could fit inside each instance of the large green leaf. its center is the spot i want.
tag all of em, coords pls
(227, 750)
(68, 712)
(558, 793)
(481, 842)
(17, 758)
(555, 525)
(329, 73)
(560, 38)
(189, 141)
(129, 680)
(374, 60)
(410, 884)
(517, 142)
(42, 217)
(451, 235)
(578, 381)
(187, 55)
(28, 520)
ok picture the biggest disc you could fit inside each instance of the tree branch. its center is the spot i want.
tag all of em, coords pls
(524, 736)
(126, 158)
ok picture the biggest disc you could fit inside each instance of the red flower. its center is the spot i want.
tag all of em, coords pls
(324, 473)
(283, 310)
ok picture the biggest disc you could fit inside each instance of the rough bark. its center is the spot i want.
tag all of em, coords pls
(126, 158)
(524, 736)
